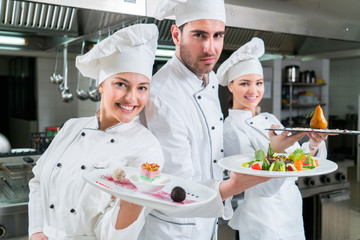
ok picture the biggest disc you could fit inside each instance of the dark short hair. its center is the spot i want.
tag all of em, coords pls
(182, 27)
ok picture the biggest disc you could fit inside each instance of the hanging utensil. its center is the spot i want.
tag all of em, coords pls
(81, 94)
(53, 76)
(61, 87)
(93, 91)
(56, 78)
(66, 95)
(59, 78)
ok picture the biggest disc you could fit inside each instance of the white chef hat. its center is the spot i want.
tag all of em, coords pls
(191, 10)
(131, 49)
(243, 61)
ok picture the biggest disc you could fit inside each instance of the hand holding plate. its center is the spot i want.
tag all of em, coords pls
(282, 141)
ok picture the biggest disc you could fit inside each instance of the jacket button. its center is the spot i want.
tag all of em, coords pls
(215, 161)
(212, 127)
(266, 117)
(83, 134)
(221, 119)
(213, 86)
(222, 150)
(72, 210)
(112, 140)
(52, 206)
(83, 167)
(58, 165)
(199, 97)
(251, 122)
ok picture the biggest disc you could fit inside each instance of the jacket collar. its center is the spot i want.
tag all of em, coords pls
(187, 75)
(240, 114)
(116, 128)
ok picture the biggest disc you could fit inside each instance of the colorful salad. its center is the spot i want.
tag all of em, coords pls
(296, 161)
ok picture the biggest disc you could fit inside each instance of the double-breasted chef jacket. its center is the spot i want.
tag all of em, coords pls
(186, 118)
(270, 210)
(62, 204)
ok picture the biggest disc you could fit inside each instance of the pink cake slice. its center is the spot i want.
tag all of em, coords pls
(149, 172)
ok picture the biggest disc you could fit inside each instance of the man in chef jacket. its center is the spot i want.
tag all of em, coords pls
(184, 113)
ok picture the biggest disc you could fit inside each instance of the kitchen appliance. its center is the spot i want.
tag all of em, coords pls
(292, 73)
(308, 77)
(326, 204)
(15, 173)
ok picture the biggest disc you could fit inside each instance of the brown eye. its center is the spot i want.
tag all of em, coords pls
(120, 84)
(143, 88)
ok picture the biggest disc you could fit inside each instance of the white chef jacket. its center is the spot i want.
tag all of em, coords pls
(62, 204)
(270, 210)
(186, 118)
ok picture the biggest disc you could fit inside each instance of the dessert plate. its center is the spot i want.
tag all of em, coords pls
(234, 163)
(334, 131)
(147, 187)
(196, 194)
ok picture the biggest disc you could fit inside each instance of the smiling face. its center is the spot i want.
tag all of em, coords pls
(247, 91)
(123, 96)
(199, 44)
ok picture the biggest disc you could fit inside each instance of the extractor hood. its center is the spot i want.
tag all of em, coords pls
(286, 28)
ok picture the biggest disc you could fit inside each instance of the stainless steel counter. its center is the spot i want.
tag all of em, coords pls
(15, 172)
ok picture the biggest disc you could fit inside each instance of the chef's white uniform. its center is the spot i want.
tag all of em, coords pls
(62, 204)
(186, 118)
(270, 210)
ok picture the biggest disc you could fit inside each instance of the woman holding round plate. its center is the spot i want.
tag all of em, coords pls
(61, 204)
(270, 210)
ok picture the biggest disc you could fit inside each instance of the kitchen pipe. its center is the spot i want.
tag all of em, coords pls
(65, 94)
(81, 94)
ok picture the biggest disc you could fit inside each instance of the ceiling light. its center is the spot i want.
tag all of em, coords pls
(10, 48)
(13, 40)
(266, 57)
(164, 52)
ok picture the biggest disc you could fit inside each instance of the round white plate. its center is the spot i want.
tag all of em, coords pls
(234, 163)
(196, 194)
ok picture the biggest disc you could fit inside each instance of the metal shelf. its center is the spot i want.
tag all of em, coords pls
(292, 86)
(302, 105)
(297, 84)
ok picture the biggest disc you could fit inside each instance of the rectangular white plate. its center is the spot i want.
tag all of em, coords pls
(196, 194)
(334, 131)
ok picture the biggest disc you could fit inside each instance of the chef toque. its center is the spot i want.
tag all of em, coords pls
(131, 49)
(191, 10)
(243, 61)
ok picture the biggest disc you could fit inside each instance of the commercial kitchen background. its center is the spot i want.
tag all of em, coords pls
(332, 52)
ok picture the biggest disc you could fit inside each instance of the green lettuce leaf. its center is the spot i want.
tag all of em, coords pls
(260, 155)
(298, 154)
(270, 152)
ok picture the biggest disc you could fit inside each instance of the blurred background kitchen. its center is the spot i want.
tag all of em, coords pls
(312, 55)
